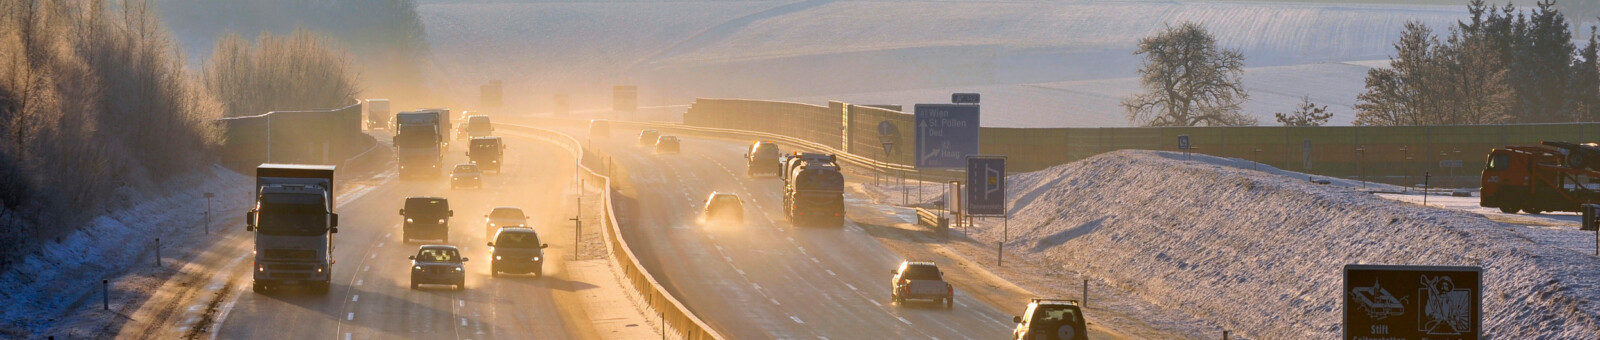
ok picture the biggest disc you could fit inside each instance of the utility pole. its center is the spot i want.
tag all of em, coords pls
(577, 232)
(208, 212)
(1360, 171)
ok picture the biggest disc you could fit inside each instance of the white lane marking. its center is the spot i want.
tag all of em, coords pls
(962, 304)
(741, 271)
(875, 302)
(351, 316)
(380, 244)
(366, 268)
(903, 320)
(387, 234)
(830, 272)
(354, 298)
(796, 319)
(815, 260)
(774, 301)
(463, 321)
(463, 303)
(358, 282)
(374, 255)
(758, 286)
(730, 259)
(346, 336)
(791, 239)
(851, 287)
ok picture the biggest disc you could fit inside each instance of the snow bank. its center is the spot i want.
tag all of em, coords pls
(1262, 253)
(52, 282)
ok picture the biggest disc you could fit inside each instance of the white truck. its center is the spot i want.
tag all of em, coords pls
(419, 144)
(377, 114)
(444, 124)
(293, 223)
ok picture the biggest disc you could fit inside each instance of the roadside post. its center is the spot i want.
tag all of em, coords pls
(1425, 176)
(105, 294)
(1258, 159)
(1183, 145)
(577, 231)
(1360, 171)
(208, 212)
(1591, 221)
(1412, 302)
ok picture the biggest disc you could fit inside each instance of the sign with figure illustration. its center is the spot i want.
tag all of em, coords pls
(1412, 302)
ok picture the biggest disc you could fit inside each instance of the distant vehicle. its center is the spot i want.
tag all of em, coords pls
(667, 145)
(487, 152)
(813, 192)
(1553, 176)
(1051, 319)
(461, 131)
(377, 113)
(466, 175)
(516, 250)
(503, 217)
(478, 126)
(648, 137)
(438, 265)
(419, 144)
(762, 158)
(721, 206)
(426, 218)
(293, 223)
(599, 129)
(921, 281)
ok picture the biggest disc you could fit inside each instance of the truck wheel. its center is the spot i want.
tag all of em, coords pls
(1508, 210)
(538, 271)
(258, 287)
(1576, 160)
(494, 271)
(413, 285)
(949, 303)
(321, 287)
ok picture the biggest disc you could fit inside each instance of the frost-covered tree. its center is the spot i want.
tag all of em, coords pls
(1188, 81)
(1307, 114)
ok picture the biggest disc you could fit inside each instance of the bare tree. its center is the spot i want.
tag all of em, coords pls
(1188, 81)
(1307, 114)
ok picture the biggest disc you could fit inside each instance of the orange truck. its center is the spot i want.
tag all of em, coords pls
(1552, 176)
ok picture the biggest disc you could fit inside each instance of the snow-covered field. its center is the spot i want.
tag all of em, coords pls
(1037, 63)
(1261, 252)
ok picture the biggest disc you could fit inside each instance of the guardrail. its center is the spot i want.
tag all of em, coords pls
(673, 312)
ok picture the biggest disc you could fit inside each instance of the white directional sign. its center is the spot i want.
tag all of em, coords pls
(986, 186)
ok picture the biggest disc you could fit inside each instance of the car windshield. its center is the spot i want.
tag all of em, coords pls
(767, 149)
(479, 123)
(1055, 314)
(484, 145)
(438, 255)
(292, 215)
(427, 207)
(506, 213)
(919, 272)
(517, 240)
(1499, 162)
(725, 199)
(460, 168)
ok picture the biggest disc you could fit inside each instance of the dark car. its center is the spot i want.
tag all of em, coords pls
(517, 250)
(1050, 319)
(667, 145)
(438, 265)
(762, 158)
(426, 218)
(486, 152)
(466, 175)
(722, 206)
(918, 280)
(648, 137)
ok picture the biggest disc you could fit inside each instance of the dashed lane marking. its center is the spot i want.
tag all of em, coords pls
(902, 319)
(796, 319)
(851, 287)
(830, 272)
(351, 316)
(354, 298)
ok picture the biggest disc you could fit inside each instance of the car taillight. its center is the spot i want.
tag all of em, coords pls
(904, 281)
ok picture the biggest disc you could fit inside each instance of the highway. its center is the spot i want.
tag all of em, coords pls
(371, 298)
(764, 278)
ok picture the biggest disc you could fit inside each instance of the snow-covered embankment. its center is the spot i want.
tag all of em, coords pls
(1262, 254)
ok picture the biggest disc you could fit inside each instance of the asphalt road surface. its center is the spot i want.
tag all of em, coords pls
(764, 278)
(371, 297)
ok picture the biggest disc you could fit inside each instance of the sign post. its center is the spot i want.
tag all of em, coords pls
(986, 194)
(1412, 302)
(946, 134)
(1183, 144)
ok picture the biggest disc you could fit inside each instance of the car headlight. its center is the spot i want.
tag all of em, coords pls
(491, 225)
(497, 257)
(416, 267)
(535, 258)
(408, 220)
(494, 161)
(458, 269)
(441, 221)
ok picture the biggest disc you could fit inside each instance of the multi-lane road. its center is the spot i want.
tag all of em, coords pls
(371, 297)
(765, 278)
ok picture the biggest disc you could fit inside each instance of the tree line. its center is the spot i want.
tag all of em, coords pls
(1500, 65)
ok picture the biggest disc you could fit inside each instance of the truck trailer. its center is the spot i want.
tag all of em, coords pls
(293, 223)
(377, 113)
(813, 190)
